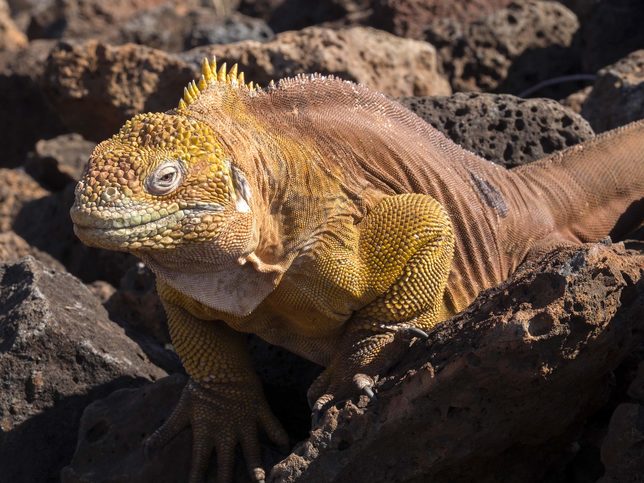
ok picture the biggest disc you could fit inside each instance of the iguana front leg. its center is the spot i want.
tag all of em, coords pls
(223, 401)
(410, 235)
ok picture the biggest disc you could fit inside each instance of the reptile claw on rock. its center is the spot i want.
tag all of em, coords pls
(365, 384)
(369, 392)
(421, 334)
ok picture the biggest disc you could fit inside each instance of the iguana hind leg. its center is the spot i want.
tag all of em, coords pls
(377, 333)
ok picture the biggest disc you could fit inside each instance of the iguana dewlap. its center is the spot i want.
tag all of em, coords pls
(329, 220)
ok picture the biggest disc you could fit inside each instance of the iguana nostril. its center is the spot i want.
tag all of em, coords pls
(109, 194)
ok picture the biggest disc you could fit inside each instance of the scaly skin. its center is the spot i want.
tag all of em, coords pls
(328, 220)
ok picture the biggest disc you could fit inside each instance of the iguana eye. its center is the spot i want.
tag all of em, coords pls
(165, 179)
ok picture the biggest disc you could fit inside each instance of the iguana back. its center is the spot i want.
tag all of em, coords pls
(500, 216)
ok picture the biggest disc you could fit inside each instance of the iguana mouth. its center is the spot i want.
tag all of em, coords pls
(84, 219)
(133, 231)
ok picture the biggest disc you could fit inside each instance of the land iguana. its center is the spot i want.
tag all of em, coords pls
(328, 220)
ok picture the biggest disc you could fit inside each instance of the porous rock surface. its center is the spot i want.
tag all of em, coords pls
(384, 62)
(496, 391)
(503, 128)
(95, 80)
(58, 352)
(617, 97)
(410, 18)
(508, 50)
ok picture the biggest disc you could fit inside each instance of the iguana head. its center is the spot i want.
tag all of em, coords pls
(166, 188)
(164, 180)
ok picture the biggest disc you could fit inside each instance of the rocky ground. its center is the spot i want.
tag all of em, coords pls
(542, 379)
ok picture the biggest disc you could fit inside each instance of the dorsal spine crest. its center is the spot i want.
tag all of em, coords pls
(211, 75)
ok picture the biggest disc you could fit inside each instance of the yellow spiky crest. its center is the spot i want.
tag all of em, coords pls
(211, 75)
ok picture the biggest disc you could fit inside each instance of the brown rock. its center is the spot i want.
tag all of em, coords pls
(509, 50)
(409, 18)
(112, 431)
(387, 63)
(93, 80)
(612, 30)
(82, 18)
(623, 449)
(497, 391)
(42, 220)
(617, 97)
(11, 37)
(284, 15)
(636, 388)
(110, 84)
(575, 101)
(58, 352)
(502, 128)
(14, 247)
(45, 224)
(136, 303)
(59, 161)
(582, 8)
(26, 115)
(17, 188)
(171, 29)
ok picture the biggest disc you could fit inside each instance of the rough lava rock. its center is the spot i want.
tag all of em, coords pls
(93, 80)
(45, 224)
(284, 15)
(17, 189)
(11, 37)
(58, 352)
(509, 50)
(389, 64)
(82, 18)
(497, 391)
(56, 162)
(617, 97)
(14, 247)
(26, 115)
(505, 129)
(410, 18)
(172, 29)
(112, 431)
(623, 449)
(611, 31)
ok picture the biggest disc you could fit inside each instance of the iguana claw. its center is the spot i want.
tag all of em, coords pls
(418, 332)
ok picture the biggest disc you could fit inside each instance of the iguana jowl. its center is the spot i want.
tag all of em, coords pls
(329, 220)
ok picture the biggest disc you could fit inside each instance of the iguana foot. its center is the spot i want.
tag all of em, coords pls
(353, 375)
(221, 418)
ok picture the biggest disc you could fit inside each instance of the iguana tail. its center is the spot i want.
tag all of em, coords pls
(592, 190)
